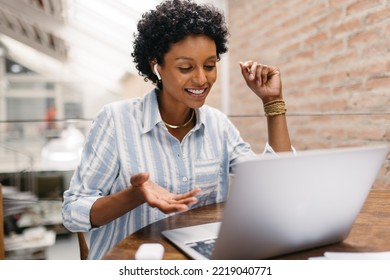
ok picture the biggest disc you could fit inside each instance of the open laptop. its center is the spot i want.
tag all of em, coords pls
(285, 204)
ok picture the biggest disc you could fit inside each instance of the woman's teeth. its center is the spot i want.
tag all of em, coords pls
(196, 91)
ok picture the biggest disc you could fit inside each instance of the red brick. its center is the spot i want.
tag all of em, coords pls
(363, 5)
(347, 26)
(315, 10)
(292, 47)
(331, 47)
(386, 29)
(343, 58)
(328, 18)
(367, 70)
(317, 38)
(347, 89)
(367, 101)
(333, 78)
(378, 16)
(334, 105)
(332, 132)
(388, 134)
(368, 133)
(338, 3)
(363, 37)
(378, 82)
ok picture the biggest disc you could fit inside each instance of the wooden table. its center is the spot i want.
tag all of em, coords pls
(370, 233)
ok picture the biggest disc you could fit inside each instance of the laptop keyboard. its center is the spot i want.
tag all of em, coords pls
(203, 247)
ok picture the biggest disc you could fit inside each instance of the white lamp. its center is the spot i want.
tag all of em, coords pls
(64, 152)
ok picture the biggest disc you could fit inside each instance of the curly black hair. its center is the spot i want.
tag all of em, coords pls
(170, 22)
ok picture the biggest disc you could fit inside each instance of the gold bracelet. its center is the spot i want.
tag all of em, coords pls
(274, 108)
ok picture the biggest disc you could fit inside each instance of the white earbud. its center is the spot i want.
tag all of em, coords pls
(156, 71)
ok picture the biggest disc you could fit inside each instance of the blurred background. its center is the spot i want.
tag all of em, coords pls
(62, 60)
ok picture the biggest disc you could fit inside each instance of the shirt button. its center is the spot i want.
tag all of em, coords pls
(185, 179)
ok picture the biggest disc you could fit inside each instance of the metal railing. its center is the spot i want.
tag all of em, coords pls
(14, 164)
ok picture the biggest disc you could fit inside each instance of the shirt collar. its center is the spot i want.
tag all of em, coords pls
(151, 114)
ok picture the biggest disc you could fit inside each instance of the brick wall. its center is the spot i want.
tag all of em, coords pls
(334, 56)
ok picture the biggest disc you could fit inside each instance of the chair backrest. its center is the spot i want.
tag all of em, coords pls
(2, 250)
(84, 250)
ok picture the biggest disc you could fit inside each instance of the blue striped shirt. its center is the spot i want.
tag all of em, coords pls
(129, 137)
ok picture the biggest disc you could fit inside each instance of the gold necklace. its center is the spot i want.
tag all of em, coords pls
(183, 125)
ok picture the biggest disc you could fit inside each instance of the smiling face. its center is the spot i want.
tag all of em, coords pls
(188, 73)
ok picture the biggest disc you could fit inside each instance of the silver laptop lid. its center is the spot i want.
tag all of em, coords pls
(290, 203)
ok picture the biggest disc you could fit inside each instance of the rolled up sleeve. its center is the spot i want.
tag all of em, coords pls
(94, 175)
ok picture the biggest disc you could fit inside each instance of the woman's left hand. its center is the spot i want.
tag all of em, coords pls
(263, 80)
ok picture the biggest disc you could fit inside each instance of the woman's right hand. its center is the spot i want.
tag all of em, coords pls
(147, 191)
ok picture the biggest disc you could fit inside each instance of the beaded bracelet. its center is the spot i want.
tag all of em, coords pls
(274, 108)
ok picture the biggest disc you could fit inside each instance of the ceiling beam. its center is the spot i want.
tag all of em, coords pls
(32, 35)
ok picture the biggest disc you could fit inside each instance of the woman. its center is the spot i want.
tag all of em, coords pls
(167, 152)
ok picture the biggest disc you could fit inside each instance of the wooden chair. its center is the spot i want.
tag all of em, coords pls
(2, 250)
(84, 250)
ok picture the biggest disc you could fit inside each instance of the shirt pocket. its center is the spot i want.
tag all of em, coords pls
(207, 179)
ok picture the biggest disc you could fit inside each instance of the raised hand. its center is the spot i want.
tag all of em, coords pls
(263, 80)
